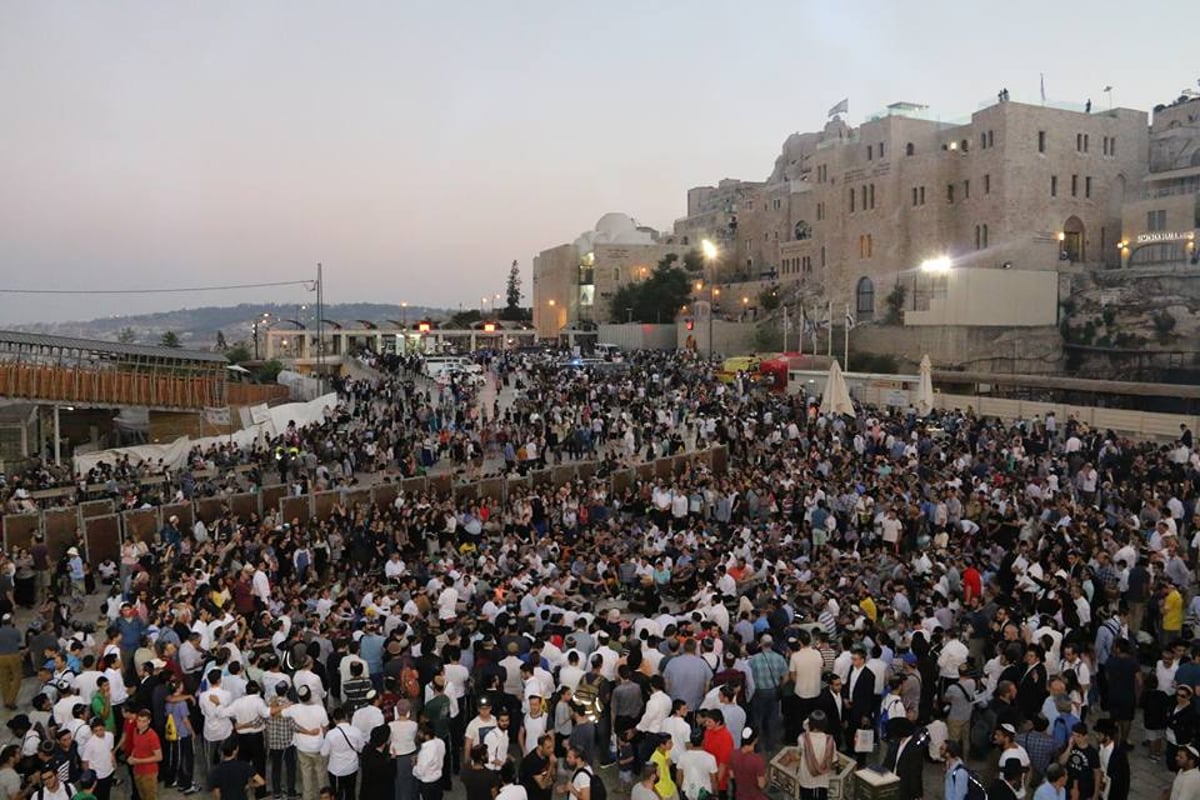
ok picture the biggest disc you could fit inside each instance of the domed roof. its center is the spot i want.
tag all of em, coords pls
(614, 228)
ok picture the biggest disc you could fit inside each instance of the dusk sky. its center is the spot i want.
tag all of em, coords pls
(416, 149)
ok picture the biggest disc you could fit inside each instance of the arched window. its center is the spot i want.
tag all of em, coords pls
(803, 231)
(909, 149)
(616, 275)
(864, 295)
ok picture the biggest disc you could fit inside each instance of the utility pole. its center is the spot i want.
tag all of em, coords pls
(320, 331)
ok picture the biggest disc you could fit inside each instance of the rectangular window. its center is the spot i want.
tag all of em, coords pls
(1086, 138)
(978, 236)
(853, 195)
(822, 256)
(1041, 141)
(864, 198)
(983, 140)
(987, 184)
(1156, 220)
(967, 189)
(1053, 186)
(950, 193)
(1087, 186)
(872, 196)
(1112, 146)
(870, 151)
(1074, 186)
(991, 143)
(1079, 142)
(864, 246)
(881, 149)
(914, 195)
(985, 236)
(922, 195)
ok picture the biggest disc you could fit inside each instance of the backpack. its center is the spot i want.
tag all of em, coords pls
(983, 725)
(410, 683)
(597, 788)
(975, 787)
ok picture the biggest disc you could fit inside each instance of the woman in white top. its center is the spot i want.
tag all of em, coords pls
(818, 758)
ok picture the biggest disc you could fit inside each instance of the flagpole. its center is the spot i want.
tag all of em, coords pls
(846, 337)
(785, 327)
(802, 326)
(829, 337)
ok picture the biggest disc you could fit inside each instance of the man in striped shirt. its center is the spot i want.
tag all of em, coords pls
(768, 668)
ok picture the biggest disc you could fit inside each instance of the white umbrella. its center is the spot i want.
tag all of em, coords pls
(836, 398)
(925, 388)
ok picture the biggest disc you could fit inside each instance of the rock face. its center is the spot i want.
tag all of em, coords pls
(1145, 319)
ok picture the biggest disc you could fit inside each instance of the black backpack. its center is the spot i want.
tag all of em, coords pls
(975, 787)
(597, 788)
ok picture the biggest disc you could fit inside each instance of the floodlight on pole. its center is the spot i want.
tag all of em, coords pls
(938, 266)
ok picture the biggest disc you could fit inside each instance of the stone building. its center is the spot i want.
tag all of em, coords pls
(574, 283)
(1160, 223)
(856, 210)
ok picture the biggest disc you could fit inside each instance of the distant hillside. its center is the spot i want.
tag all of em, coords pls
(197, 328)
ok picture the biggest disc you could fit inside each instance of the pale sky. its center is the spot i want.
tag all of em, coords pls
(416, 149)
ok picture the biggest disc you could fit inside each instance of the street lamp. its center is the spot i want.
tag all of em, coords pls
(254, 326)
(936, 266)
(710, 257)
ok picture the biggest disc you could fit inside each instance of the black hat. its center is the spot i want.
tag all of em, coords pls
(19, 721)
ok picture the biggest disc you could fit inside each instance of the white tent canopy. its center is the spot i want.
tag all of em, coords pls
(836, 398)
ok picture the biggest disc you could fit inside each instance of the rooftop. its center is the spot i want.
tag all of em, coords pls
(15, 340)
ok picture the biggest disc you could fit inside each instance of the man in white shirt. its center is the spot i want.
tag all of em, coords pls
(311, 720)
(804, 670)
(215, 704)
(308, 679)
(657, 709)
(428, 767)
(497, 742)
(370, 716)
(249, 714)
(343, 742)
(98, 754)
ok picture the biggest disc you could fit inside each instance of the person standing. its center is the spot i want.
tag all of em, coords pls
(343, 742)
(143, 754)
(428, 768)
(230, 779)
(818, 758)
(98, 755)
(1187, 781)
(749, 769)
(11, 670)
(768, 670)
(1114, 762)
(1082, 762)
(377, 766)
(805, 668)
(310, 720)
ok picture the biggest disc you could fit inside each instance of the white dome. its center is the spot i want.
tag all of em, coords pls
(614, 228)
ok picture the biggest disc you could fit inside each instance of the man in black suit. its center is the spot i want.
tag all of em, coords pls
(905, 757)
(1009, 783)
(1116, 770)
(859, 693)
(830, 701)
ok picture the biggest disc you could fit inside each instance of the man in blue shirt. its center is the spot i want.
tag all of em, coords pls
(1055, 785)
(957, 777)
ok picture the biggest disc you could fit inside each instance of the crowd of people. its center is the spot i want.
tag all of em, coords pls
(1002, 597)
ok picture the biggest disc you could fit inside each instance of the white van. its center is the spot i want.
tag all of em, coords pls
(609, 352)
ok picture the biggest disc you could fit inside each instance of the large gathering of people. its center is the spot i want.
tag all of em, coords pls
(1011, 599)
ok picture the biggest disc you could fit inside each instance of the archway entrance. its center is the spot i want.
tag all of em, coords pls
(1073, 239)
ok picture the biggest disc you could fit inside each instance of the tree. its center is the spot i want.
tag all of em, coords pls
(512, 292)
(222, 345)
(693, 261)
(768, 299)
(170, 339)
(464, 319)
(895, 305)
(126, 336)
(269, 371)
(239, 353)
(654, 300)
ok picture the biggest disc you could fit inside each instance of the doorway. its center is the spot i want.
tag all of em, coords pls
(1073, 244)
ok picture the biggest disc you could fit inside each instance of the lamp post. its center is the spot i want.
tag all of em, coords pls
(254, 326)
(709, 249)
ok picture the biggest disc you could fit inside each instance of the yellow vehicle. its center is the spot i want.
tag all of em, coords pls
(732, 366)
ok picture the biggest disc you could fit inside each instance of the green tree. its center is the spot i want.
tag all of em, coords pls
(895, 305)
(464, 319)
(768, 299)
(126, 336)
(512, 290)
(170, 339)
(693, 261)
(768, 336)
(239, 353)
(269, 372)
(222, 345)
(656, 299)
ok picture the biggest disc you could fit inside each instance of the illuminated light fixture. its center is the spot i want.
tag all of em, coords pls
(1062, 236)
(551, 301)
(708, 249)
(424, 327)
(938, 266)
(489, 327)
